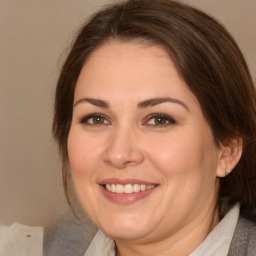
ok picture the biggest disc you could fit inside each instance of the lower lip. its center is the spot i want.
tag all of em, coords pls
(124, 198)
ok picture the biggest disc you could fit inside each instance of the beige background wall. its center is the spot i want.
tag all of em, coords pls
(34, 34)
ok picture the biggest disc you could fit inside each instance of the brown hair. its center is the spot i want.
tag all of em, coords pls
(207, 58)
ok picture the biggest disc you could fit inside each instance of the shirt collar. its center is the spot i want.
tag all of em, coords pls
(217, 243)
(101, 245)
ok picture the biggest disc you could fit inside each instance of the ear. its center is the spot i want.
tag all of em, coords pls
(230, 154)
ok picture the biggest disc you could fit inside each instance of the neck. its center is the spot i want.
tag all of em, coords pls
(182, 242)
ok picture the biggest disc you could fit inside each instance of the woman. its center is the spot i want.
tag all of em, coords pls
(155, 113)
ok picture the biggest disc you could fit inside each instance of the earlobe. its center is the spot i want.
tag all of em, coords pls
(229, 156)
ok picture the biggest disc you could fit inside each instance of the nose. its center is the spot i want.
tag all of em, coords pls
(123, 149)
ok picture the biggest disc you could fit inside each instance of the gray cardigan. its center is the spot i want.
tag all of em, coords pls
(71, 237)
(244, 239)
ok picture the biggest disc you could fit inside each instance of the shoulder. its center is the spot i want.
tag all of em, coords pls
(244, 238)
(68, 236)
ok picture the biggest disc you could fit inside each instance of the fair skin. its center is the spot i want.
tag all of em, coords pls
(138, 123)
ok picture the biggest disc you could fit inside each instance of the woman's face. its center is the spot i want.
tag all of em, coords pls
(143, 159)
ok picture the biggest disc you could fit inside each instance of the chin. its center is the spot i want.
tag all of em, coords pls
(126, 234)
(125, 228)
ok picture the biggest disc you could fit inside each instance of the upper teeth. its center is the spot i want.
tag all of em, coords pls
(128, 188)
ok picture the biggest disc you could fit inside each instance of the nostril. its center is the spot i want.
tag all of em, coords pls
(28, 235)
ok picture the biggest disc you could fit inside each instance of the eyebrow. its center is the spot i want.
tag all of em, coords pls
(155, 101)
(96, 102)
(144, 104)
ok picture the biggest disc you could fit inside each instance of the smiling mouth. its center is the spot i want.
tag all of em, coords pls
(128, 188)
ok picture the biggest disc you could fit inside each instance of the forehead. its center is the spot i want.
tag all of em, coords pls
(128, 57)
(126, 66)
(118, 61)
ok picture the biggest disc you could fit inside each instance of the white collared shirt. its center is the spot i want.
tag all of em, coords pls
(217, 243)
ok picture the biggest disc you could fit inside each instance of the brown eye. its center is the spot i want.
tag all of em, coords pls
(97, 120)
(159, 120)
(94, 119)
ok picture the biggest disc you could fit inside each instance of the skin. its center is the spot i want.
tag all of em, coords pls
(181, 157)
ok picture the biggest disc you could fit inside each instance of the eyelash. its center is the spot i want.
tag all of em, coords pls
(85, 119)
(160, 116)
(166, 118)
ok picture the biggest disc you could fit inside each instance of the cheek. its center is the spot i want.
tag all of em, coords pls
(184, 154)
(172, 154)
(187, 164)
(83, 152)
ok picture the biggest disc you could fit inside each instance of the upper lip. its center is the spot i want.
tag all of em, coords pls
(125, 181)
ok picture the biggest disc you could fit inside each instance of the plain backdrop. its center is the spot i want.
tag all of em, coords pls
(34, 36)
